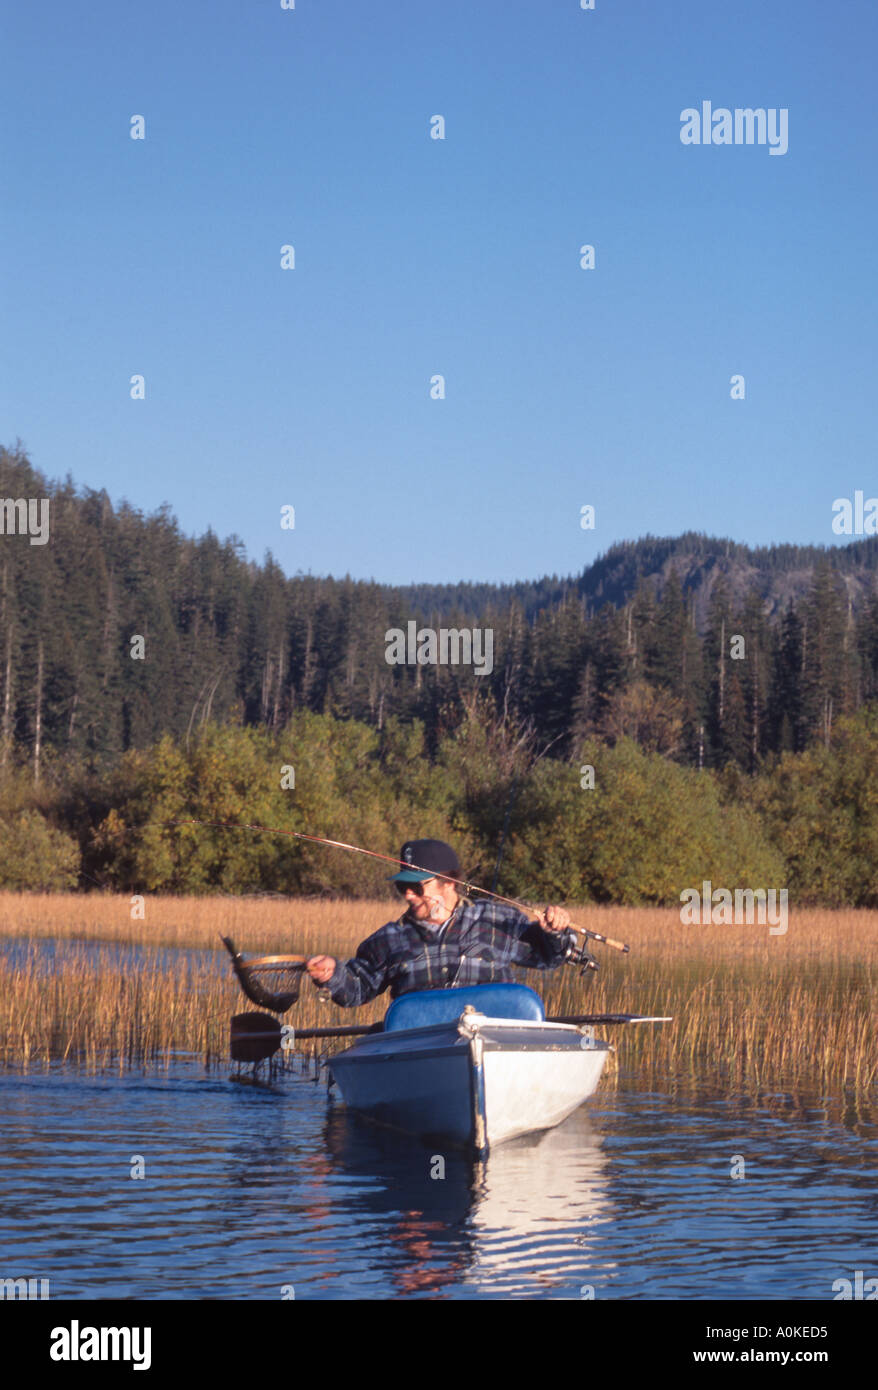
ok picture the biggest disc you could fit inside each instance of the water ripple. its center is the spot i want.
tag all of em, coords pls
(248, 1190)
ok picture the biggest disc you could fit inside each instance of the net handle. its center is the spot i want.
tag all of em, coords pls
(291, 961)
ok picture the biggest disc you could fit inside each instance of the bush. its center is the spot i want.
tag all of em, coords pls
(647, 830)
(35, 856)
(821, 809)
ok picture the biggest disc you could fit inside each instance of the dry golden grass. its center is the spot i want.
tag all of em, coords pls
(750, 1010)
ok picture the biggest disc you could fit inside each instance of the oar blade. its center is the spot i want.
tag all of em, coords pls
(254, 1037)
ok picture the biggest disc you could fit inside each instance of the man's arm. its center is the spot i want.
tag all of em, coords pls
(544, 943)
(356, 981)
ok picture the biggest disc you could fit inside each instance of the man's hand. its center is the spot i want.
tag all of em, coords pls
(320, 968)
(554, 919)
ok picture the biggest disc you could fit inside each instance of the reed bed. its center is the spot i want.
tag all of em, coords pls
(751, 1011)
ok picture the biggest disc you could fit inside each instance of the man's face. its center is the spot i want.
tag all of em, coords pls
(430, 899)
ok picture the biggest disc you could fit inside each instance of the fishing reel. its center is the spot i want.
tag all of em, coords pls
(581, 956)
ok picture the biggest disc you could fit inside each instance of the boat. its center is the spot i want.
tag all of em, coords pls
(471, 1067)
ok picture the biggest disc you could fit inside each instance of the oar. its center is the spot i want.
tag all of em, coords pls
(610, 1018)
(350, 1030)
(257, 1036)
(254, 1037)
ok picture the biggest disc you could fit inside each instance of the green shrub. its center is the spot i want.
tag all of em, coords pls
(33, 855)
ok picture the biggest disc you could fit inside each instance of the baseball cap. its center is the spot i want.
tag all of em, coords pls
(432, 857)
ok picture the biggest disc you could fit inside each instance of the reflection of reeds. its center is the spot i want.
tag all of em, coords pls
(749, 1009)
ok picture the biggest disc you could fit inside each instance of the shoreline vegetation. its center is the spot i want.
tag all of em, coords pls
(614, 824)
(80, 981)
(684, 709)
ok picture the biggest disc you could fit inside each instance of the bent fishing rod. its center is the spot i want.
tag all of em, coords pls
(401, 863)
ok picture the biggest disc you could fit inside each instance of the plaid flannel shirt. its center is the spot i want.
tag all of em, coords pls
(478, 944)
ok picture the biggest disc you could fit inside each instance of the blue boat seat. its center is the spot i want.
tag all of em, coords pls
(423, 1008)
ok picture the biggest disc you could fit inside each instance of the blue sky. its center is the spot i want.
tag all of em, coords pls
(311, 387)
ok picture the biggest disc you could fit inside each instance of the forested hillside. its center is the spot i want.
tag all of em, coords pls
(146, 676)
(643, 643)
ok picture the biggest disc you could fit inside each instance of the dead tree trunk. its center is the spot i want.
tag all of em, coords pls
(38, 717)
(72, 720)
(754, 743)
(6, 734)
(278, 687)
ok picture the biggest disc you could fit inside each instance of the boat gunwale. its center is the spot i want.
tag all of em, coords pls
(358, 1053)
(464, 1022)
(374, 1046)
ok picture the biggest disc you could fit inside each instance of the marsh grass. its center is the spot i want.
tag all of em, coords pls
(750, 1010)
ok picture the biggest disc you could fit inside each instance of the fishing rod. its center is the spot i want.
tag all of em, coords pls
(391, 859)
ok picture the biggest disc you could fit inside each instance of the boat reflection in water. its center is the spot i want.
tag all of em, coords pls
(523, 1222)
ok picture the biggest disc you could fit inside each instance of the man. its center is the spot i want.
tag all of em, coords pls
(443, 940)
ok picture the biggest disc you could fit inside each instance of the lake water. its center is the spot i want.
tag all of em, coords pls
(259, 1192)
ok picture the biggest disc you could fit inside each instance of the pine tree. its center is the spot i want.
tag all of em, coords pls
(825, 670)
(786, 718)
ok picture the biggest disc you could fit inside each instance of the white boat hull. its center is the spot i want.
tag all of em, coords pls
(521, 1097)
(474, 1082)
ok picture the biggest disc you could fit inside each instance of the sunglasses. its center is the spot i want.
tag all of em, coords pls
(417, 888)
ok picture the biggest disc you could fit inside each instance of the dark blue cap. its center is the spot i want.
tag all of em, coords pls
(434, 859)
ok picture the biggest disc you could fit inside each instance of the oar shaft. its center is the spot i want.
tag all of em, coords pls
(357, 1030)
(353, 1030)
(607, 1018)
